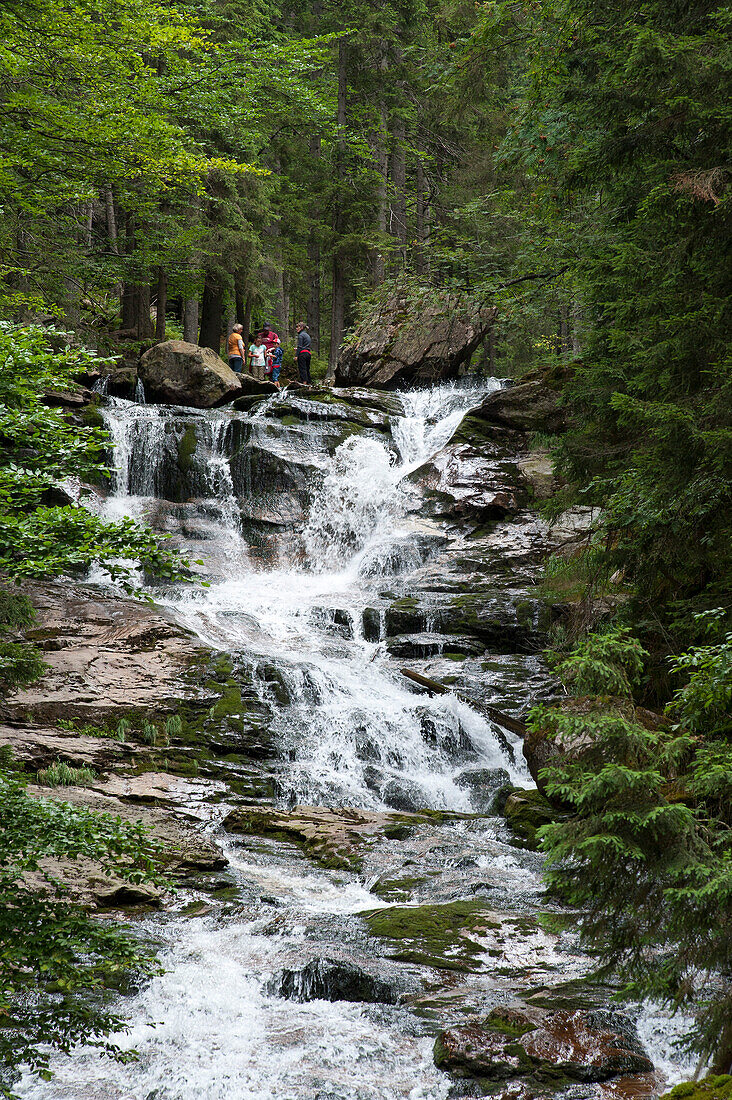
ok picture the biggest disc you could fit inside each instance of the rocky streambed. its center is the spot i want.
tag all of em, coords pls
(358, 909)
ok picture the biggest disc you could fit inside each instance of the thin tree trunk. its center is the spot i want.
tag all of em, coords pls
(313, 303)
(190, 320)
(247, 322)
(111, 220)
(338, 299)
(381, 154)
(211, 314)
(89, 223)
(420, 258)
(143, 321)
(398, 211)
(162, 303)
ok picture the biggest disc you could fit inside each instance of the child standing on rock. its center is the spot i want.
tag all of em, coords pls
(276, 357)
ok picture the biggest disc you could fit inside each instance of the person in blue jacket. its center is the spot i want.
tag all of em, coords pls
(303, 352)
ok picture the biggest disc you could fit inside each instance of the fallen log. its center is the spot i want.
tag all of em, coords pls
(436, 688)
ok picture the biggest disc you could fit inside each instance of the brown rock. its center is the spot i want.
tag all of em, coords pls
(184, 374)
(573, 1045)
(583, 1049)
(106, 655)
(406, 343)
(332, 837)
(528, 407)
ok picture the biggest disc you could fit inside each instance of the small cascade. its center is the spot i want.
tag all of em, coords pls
(139, 395)
(101, 385)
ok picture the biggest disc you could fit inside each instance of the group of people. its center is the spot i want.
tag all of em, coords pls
(265, 354)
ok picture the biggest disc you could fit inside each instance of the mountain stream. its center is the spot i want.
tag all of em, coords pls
(332, 558)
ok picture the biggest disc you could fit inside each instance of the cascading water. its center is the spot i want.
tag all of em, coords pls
(348, 733)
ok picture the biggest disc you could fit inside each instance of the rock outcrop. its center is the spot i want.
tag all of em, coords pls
(105, 657)
(573, 1046)
(404, 344)
(530, 406)
(178, 373)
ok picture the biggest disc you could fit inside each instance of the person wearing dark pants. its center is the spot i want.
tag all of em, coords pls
(303, 352)
(235, 347)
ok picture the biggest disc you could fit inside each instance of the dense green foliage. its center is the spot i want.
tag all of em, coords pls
(647, 854)
(56, 959)
(41, 446)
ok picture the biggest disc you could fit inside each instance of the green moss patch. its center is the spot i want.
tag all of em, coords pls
(711, 1088)
(434, 935)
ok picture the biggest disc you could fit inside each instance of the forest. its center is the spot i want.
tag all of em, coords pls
(171, 167)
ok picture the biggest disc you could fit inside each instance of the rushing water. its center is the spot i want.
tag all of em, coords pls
(348, 733)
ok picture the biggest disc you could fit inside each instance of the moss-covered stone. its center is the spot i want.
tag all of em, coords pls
(526, 811)
(711, 1088)
(186, 448)
(434, 935)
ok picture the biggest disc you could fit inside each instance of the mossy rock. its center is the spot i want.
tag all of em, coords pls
(711, 1088)
(526, 811)
(434, 935)
(186, 448)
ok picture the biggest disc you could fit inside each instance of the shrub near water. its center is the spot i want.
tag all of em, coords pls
(52, 954)
(647, 854)
(40, 447)
(60, 774)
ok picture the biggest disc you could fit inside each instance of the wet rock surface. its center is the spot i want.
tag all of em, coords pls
(332, 980)
(558, 1048)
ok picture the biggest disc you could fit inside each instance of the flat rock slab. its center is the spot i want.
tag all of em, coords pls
(332, 837)
(184, 849)
(105, 656)
(39, 746)
(189, 798)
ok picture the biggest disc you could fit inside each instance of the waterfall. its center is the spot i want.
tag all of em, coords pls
(215, 1025)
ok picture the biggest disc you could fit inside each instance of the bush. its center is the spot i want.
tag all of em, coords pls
(647, 855)
(53, 956)
(38, 448)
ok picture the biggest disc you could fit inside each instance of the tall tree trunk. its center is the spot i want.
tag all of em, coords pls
(143, 322)
(88, 223)
(338, 298)
(111, 220)
(239, 301)
(162, 303)
(190, 320)
(313, 302)
(398, 210)
(247, 322)
(421, 258)
(211, 313)
(381, 156)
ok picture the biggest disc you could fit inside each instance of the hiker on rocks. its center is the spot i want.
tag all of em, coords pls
(257, 359)
(276, 357)
(235, 348)
(303, 352)
(268, 337)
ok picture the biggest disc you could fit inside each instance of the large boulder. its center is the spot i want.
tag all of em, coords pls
(408, 343)
(562, 1047)
(528, 407)
(178, 373)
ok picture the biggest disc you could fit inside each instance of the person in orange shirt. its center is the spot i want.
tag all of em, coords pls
(235, 349)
